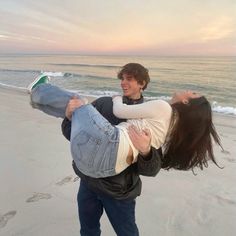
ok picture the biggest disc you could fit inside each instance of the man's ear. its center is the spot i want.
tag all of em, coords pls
(185, 101)
(143, 84)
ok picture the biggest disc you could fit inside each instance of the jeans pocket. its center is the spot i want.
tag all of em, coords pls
(84, 148)
(105, 127)
(101, 123)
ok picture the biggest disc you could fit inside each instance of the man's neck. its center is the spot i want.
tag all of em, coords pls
(135, 97)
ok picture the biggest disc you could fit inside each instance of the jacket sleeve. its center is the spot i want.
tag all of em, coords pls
(150, 165)
(66, 128)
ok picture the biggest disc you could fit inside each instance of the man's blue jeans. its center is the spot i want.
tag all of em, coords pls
(121, 213)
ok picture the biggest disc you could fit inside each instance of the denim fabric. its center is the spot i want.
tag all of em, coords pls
(94, 142)
(121, 213)
(51, 99)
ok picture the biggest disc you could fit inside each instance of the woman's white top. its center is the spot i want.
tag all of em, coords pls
(153, 115)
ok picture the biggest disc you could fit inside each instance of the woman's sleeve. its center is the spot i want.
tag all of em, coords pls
(143, 110)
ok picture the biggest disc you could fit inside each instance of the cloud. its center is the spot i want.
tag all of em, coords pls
(111, 26)
(222, 28)
(3, 37)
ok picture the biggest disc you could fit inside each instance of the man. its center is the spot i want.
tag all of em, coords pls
(116, 194)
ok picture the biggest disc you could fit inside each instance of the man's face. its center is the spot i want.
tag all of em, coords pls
(130, 87)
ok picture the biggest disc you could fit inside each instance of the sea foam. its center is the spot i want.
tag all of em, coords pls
(225, 110)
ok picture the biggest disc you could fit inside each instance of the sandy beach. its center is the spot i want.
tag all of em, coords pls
(39, 187)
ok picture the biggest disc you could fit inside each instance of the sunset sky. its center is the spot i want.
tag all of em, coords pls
(135, 27)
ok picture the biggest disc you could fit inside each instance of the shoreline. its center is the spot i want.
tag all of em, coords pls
(23, 91)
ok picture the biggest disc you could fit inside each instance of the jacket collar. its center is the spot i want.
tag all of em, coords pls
(129, 101)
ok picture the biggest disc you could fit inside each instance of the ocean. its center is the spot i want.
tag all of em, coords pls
(214, 77)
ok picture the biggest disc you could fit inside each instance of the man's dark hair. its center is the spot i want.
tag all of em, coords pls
(139, 72)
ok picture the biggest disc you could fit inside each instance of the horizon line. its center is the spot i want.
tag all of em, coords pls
(109, 54)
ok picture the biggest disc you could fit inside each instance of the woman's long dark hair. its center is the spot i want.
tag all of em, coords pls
(189, 143)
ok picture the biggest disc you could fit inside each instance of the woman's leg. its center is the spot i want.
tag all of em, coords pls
(94, 142)
(51, 99)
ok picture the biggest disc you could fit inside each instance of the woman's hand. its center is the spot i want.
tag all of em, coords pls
(74, 103)
(140, 139)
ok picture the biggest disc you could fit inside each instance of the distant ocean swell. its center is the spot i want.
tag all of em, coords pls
(85, 65)
(56, 74)
(115, 67)
(20, 71)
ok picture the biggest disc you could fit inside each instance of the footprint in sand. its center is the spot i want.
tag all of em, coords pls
(38, 196)
(203, 217)
(66, 180)
(222, 135)
(224, 200)
(225, 152)
(230, 159)
(4, 218)
(76, 179)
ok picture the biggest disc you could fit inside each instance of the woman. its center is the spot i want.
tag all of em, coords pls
(184, 125)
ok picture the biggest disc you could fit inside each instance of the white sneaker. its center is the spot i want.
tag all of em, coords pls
(41, 79)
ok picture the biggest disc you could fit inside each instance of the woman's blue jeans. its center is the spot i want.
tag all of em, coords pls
(94, 141)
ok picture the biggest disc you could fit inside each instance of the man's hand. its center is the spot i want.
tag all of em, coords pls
(140, 139)
(72, 105)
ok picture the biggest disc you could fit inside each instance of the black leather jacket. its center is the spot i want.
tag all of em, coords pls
(127, 184)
